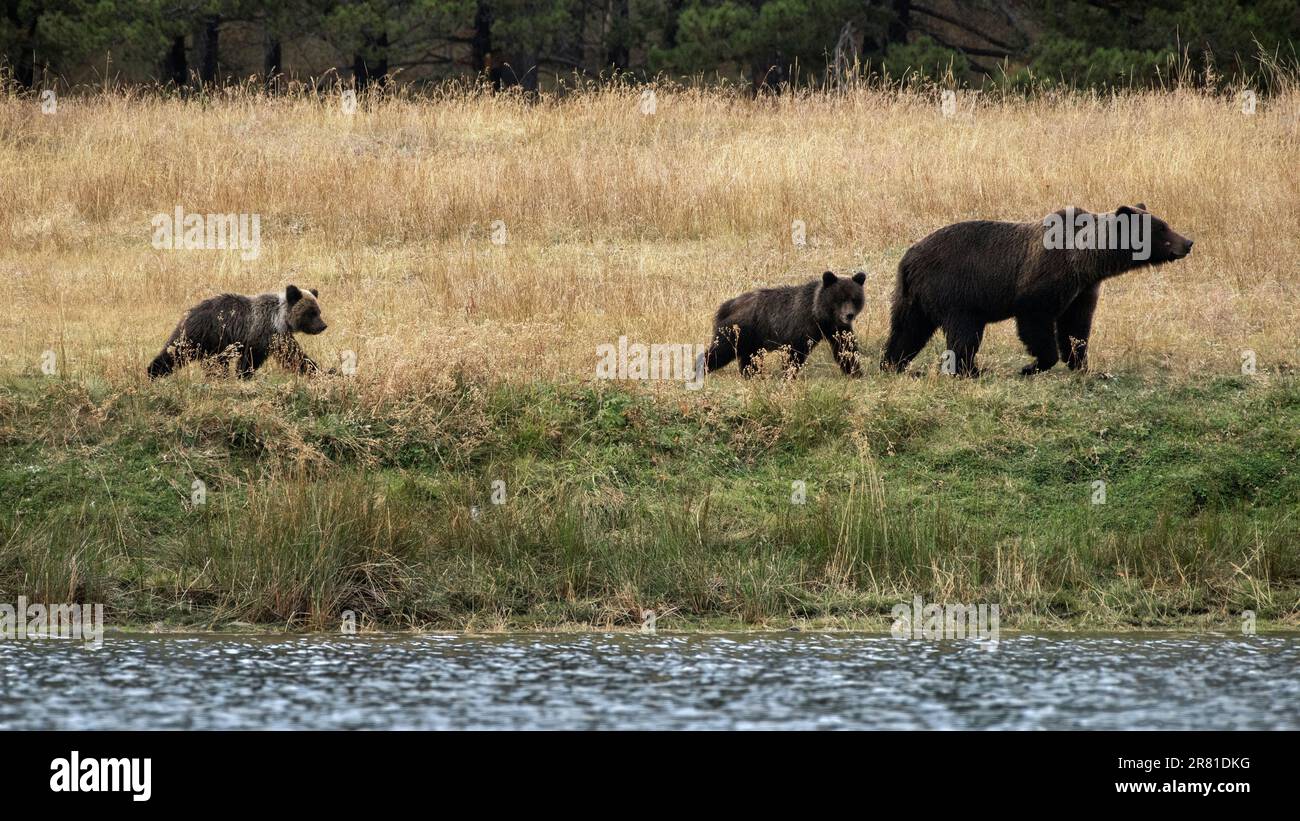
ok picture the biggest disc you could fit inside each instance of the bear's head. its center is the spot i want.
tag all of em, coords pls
(840, 300)
(1167, 244)
(302, 311)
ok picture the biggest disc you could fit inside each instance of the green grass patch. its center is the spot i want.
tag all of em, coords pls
(323, 498)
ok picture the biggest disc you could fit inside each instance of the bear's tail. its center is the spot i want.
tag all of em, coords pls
(910, 328)
(901, 290)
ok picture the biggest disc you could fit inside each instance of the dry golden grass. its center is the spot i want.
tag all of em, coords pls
(619, 222)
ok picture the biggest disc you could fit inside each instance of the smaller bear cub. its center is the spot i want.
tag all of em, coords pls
(793, 317)
(244, 330)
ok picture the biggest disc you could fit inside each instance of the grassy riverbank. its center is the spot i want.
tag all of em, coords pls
(320, 499)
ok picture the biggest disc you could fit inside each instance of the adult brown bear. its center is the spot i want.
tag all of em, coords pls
(964, 276)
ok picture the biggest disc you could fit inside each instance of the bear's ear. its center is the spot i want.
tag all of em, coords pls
(860, 277)
(292, 295)
(1141, 206)
(829, 278)
(315, 293)
(1124, 209)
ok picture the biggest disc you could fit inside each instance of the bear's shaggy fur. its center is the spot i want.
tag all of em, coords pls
(793, 317)
(244, 330)
(967, 275)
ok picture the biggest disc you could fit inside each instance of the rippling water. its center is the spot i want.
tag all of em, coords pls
(779, 681)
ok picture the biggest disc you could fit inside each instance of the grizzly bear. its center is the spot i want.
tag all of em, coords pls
(967, 275)
(793, 317)
(245, 330)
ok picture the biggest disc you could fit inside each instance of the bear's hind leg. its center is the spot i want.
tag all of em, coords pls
(909, 331)
(1036, 331)
(1073, 328)
(248, 362)
(964, 335)
(724, 348)
(216, 367)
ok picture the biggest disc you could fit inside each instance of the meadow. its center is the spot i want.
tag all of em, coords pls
(472, 252)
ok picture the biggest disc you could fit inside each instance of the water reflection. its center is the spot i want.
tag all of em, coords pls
(765, 681)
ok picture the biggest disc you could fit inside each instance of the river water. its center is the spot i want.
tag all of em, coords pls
(616, 681)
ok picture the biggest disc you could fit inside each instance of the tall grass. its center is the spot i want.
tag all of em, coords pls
(620, 222)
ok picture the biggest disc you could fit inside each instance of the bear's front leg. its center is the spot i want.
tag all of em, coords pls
(844, 344)
(1074, 326)
(293, 357)
(1036, 331)
(748, 367)
(796, 356)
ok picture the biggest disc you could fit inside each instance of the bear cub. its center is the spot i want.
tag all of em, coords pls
(964, 276)
(244, 330)
(793, 317)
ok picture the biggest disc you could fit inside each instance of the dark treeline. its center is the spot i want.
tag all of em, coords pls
(526, 43)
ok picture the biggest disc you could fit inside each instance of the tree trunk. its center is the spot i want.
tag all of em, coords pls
(24, 57)
(175, 65)
(210, 40)
(769, 73)
(272, 62)
(367, 70)
(902, 22)
(521, 70)
(481, 44)
(617, 55)
(24, 71)
(674, 8)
